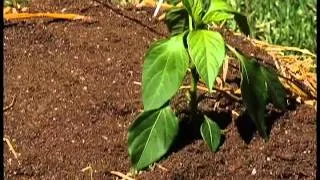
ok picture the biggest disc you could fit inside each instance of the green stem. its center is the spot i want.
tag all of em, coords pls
(190, 23)
(193, 101)
(193, 104)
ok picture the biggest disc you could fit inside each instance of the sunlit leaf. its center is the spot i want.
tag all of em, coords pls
(216, 7)
(218, 16)
(151, 136)
(220, 10)
(207, 52)
(211, 133)
(164, 69)
(195, 9)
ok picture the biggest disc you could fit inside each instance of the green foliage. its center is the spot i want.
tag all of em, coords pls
(217, 9)
(195, 10)
(163, 72)
(177, 20)
(151, 135)
(254, 94)
(211, 133)
(220, 10)
(259, 86)
(283, 22)
(207, 51)
(15, 3)
(193, 46)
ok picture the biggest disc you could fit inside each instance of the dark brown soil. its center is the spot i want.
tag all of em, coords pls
(75, 99)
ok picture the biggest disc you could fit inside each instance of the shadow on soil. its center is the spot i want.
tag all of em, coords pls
(189, 131)
(247, 128)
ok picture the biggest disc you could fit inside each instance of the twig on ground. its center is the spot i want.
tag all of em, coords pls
(90, 169)
(123, 176)
(199, 87)
(15, 154)
(235, 113)
(18, 16)
(11, 104)
(120, 12)
(232, 96)
(224, 131)
(161, 167)
(137, 83)
(105, 138)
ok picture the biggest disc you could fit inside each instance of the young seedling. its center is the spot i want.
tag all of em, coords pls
(193, 46)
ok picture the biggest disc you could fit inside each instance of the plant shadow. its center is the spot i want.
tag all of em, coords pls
(223, 119)
(189, 131)
(247, 128)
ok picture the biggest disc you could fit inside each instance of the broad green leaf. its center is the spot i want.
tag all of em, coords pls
(207, 52)
(219, 5)
(211, 133)
(176, 20)
(220, 10)
(259, 85)
(216, 7)
(218, 16)
(276, 91)
(195, 9)
(151, 136)
(164, 69)
(254, 94)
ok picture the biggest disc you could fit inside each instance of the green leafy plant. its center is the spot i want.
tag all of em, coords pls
(194, 48)
(15, 3)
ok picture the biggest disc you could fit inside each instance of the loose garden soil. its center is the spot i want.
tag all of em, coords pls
(76, 98)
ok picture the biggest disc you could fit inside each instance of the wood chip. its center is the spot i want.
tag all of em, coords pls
(123, 176)
(15, 154)
(90, 169)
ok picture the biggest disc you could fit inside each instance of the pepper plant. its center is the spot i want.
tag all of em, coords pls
(193, 48)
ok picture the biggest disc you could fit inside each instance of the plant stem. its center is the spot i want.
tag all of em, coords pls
(190, 23)
(193, 104)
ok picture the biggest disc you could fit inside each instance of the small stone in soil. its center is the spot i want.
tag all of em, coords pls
(254, 171)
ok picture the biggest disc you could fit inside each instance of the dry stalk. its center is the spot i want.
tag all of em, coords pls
(15, 154)
(119, 174)
(10, 105)
(19, 16)
(90, 169)
(297, 72)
